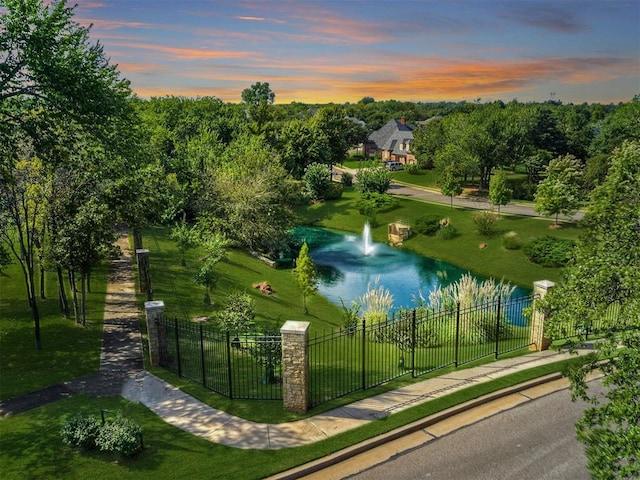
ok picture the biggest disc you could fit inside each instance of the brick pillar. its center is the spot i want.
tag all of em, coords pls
(537, 339)
(295, 366)
(142, 258)
(157, 338)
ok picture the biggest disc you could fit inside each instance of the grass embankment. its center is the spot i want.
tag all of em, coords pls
(30, 445)
(69, 350)
(464, 249)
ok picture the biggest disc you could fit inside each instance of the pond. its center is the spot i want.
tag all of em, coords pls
(348, 263)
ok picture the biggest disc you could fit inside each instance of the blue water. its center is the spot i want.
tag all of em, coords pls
(345, 271)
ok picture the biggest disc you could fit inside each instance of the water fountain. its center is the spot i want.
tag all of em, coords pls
(368, 246)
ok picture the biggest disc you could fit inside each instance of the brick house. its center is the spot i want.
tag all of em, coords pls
(393, 141)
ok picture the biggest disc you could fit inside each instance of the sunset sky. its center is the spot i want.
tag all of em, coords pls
(320, 51)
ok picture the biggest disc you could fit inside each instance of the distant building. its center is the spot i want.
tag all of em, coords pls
(393, 141)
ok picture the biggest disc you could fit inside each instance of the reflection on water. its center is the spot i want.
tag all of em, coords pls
(345, 271)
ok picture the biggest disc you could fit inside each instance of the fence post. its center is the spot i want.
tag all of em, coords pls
(537, 339)
(498, 327)
(457, 334)
(142, 259)
(295, 366)
(157, 343)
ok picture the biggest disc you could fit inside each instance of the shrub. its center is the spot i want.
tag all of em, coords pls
(121, 436)
(426, 163)
(317, 179)
(81, 431)
(549, 251)
(374, 180)
(412, 169)
(333, 191)
(428, 224)
(238, 315)
(486, 222)
(447, 232)
(511, 241)
(346, 179)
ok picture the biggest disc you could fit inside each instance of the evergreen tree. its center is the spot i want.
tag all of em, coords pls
(306, 274)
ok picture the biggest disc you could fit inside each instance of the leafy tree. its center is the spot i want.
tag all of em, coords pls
(339, 131)
(373, 180)
(451, 183)
(605, 273)
(623, 124)
(306, 275)
(428, 140)
(257, 100)
(185, 237)
(248, 197)
(58, 96)
(317, 180)
(238, 315)
(560, 191)
(300, 145)
(215, 247)
(499, 191)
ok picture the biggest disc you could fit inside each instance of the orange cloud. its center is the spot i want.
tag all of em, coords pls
(178, 53)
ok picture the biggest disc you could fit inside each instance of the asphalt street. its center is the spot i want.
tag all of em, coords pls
(535, 440)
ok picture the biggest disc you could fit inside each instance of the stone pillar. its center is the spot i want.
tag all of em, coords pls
(295, 366)
(537, 339)
(142, 258)
(157, 338)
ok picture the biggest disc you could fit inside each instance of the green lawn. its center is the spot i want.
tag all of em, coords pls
(30, 445)
(68, 350)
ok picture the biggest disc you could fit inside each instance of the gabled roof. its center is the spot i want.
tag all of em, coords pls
(392, 135)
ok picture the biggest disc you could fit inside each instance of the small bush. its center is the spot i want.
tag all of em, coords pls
(549, 251)
(412, 169)
(333, 191)
(121, 436)
(511, 241)
(81, 431)
(447, 232)
(486, 222)
(346, 179)
(428, 225)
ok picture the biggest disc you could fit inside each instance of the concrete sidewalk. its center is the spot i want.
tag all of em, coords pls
(185, 412)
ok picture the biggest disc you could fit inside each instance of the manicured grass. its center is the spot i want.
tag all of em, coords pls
(30, 445)
(424, 178)
(173, 284)
(464, 249)
(68, 350)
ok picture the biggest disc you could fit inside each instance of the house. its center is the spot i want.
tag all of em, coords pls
(393, 141)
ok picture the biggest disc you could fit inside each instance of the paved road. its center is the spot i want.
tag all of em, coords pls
(535, 440)
(428, 195)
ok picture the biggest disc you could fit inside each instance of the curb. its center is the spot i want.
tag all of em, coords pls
(357, 449)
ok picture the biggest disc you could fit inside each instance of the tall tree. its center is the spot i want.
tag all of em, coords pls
(560, 191)
(306, 275)
(51, 78)
(300, 144)
(499, 191)
(605, 273)
(257, 100)
(451, 183)
(340, 131)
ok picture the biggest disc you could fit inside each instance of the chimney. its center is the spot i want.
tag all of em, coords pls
(403, 120)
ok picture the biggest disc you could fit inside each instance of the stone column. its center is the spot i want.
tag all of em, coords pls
(157, 339)
(295, 366)
(142, 258)
(537, 339)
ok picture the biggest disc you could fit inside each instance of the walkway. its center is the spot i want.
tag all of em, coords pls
(121, 373)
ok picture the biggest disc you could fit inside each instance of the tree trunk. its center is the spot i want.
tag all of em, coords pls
(89, 281)
(83, 283)
(42, 293)
(34, 307)
(62, 294)
(74, 291)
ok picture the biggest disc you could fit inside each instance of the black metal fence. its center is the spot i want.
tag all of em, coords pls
(608, 321)
(237, 366)
(413, 343)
